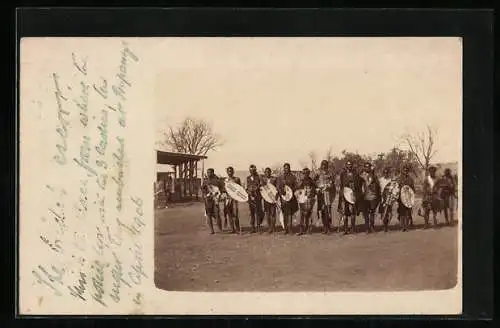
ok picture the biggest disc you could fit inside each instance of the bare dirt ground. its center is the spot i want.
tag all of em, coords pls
(187, 258)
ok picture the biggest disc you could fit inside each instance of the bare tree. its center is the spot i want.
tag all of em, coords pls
(192, 136)
(421, 146)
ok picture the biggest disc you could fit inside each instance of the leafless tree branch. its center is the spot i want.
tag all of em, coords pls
(192, 136)
(421, 146)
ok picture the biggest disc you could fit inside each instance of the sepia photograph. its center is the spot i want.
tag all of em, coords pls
(308, 165)
(256, 162)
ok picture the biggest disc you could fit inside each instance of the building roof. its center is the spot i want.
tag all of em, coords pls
(170, 158)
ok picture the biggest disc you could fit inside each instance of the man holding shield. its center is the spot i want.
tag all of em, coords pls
(212, 188)
(431, 200)
(325, 181)
(404, 211)
(308, 186)
(386, 204)
(254, 198)
(371, 196)
(289, 203)
(230, 205)
(347, 196)
(270, 208)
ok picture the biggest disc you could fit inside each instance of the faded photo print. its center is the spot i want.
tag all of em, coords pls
(308, 165)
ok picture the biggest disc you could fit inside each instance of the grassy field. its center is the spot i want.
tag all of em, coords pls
(187, 258)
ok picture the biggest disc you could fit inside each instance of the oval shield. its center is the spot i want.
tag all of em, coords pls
(407, 196)
(395, 190)
(288, 194)
(213, 191)
(349, 195)
(300, 194)
(390, 193)
(384, 183)
(268, 192)
(236, 192)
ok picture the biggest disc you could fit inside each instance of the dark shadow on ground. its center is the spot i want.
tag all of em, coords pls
(360, 228)
(181, 204)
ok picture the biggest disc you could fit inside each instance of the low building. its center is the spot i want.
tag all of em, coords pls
(178, 174)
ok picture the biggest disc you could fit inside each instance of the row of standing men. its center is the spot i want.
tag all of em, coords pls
(368, 192)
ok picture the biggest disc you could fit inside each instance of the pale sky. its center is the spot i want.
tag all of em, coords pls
(275, 99)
